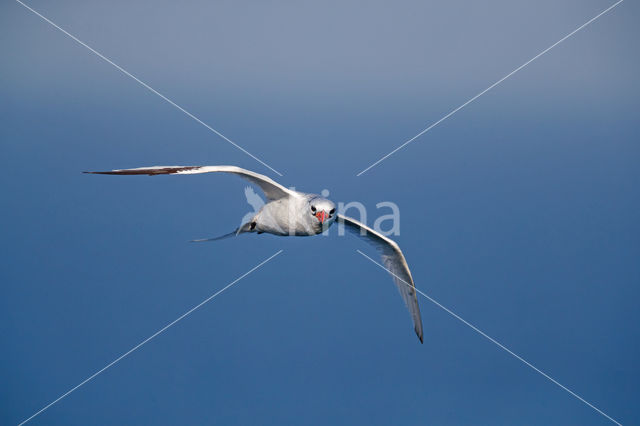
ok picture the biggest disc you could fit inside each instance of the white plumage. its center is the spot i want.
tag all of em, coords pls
(289, 213)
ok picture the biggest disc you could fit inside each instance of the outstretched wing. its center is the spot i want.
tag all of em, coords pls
(272, 190)
(394, 261)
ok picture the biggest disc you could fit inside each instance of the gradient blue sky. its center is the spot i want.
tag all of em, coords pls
(520, 213)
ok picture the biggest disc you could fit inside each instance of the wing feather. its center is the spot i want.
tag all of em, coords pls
(394, 261)
(272, 189)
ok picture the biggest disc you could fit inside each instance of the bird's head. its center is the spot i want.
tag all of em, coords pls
(323, 210)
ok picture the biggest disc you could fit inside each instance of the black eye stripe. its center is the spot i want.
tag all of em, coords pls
(332, 211)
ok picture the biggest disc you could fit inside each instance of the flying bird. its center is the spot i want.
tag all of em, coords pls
(288, 212)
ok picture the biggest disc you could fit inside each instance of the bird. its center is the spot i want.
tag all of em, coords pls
(293, 213)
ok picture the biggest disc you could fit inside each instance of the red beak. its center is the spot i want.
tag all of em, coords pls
(321, 215)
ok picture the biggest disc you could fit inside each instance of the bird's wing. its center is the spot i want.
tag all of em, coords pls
(272, 189)
(394, 261)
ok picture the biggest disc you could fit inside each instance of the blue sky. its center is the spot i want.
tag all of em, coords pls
(519, 213)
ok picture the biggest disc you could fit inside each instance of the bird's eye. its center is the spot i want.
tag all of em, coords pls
(313, 208)
(332, 211)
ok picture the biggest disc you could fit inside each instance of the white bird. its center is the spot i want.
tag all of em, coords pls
(290, 212)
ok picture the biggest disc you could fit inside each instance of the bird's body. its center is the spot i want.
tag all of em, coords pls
(285, 216)
(294, 213)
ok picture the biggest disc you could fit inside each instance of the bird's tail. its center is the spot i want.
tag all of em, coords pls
(221, 237)
(247, 227)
